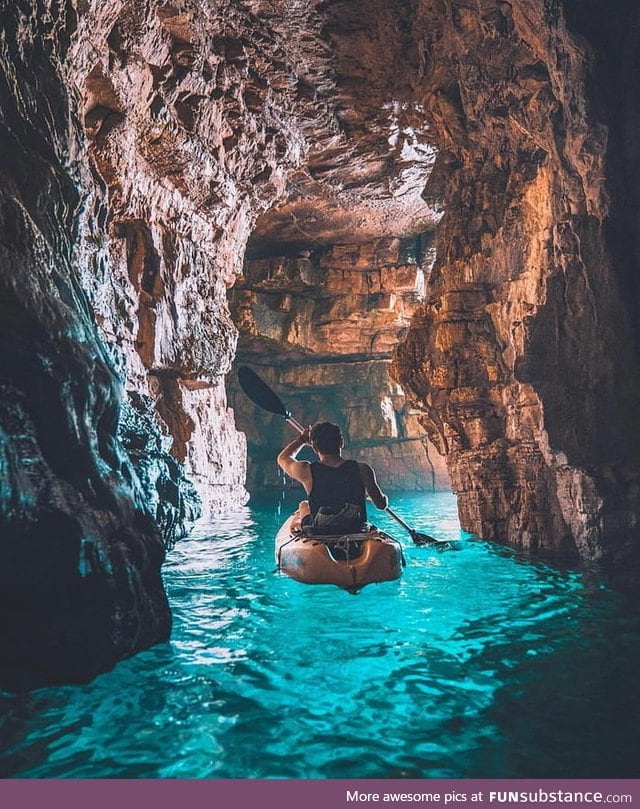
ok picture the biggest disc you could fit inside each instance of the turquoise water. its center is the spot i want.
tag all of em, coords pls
(476, 663)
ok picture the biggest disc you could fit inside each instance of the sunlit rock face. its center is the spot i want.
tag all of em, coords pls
(336, 268)
(321, 327)
(126, 202)
(199, 118)
(188, 139)
(141, 143)
(525, 353)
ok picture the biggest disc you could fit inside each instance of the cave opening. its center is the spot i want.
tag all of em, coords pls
(321, 322)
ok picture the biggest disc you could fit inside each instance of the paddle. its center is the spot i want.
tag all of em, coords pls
(263, 396)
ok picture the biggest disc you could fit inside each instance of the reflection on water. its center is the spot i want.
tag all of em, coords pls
(476, 663)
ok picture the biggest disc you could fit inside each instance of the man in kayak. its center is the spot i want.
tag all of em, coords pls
(337, 487)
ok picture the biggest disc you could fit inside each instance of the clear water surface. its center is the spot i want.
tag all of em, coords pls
(476, 663)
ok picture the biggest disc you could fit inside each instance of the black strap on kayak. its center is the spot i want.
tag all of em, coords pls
(284, 545)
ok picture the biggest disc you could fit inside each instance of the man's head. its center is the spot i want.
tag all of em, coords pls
(326, 438)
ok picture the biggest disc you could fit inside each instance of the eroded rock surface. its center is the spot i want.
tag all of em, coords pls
(199, 119)
(141, 142)
(320, 328)
(80, 553)
(525, 354)
(188, 137)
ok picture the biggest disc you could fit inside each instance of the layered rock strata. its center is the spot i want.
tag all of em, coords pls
(199, 117)
(320, 328)
(328, 286)
(525, 354)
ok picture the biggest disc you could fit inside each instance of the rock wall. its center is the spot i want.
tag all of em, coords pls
(525, 355)
(321, 327)
(187, 139)
(199, 117)
(80, 553)
(140, 144)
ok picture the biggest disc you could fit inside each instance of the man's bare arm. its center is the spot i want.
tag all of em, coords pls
(378, 497)
(298, 470)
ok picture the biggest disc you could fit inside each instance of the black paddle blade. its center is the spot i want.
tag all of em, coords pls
(259, 392)
(425, 539)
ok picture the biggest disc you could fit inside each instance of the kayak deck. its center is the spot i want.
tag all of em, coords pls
(350, 561)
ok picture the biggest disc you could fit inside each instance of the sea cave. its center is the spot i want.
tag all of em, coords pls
(415, 218)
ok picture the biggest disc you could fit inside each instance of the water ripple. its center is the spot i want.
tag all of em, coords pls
(476, 663)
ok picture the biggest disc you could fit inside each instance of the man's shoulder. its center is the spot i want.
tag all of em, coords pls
(294, 463)
(351, 461)
(365, 468)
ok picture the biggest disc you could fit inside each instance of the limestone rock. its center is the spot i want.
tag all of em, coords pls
(168, 493)
(141, 142)
(320, 329)
(80, 553)
(188, 140)
(145, 145)
(524, 355)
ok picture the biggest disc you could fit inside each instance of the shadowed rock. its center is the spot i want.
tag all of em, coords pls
(80, 554)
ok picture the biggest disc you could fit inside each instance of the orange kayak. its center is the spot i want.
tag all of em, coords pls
(350, 561)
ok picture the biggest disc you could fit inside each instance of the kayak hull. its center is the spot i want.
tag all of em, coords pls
(350, 561)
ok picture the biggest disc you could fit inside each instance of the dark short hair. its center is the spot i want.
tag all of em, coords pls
(326, 436)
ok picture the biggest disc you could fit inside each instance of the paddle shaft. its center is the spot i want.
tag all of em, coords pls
(295, 424)
(399, 520)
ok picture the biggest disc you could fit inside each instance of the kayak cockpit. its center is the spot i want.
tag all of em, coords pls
(350, 561)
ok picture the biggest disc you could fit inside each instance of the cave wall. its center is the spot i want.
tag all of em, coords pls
(199, 119)
(141, 142)
(80, 552)
(321, 326)
(188, 141)
(138, 146)
(525, 354)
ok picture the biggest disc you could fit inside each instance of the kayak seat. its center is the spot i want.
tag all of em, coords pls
(330, 522)
(333, 531)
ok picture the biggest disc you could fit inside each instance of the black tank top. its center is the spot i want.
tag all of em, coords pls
(336, 486)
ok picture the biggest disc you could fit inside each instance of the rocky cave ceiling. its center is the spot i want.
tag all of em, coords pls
(368, 153)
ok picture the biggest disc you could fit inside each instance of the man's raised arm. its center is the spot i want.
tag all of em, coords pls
(298, 470)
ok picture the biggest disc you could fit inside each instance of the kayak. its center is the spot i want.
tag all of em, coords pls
(350, 561)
